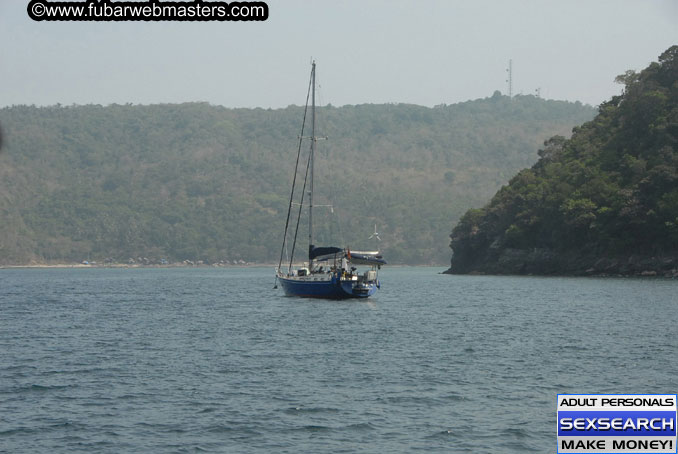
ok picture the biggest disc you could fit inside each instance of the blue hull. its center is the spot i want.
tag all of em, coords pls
(332, 289)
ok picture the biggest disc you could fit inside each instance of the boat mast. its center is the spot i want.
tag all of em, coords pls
(310, 200)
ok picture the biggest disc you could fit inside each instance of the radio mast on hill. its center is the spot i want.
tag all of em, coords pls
(509, 70)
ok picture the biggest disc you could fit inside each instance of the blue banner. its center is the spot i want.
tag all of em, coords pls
(617, 423)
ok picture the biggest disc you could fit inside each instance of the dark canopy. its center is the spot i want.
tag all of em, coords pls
(317, 251)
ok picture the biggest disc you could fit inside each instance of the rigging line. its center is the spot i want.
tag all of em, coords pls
(338, 224)
(294, 180)
(301, 202)
(332, 218)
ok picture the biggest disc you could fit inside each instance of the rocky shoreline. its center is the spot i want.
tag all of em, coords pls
(545, 262)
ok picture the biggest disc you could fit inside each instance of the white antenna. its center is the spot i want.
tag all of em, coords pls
(375, 234)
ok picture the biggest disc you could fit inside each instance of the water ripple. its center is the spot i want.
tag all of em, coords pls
(212, 360)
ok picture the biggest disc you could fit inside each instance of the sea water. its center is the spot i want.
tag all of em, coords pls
(216, 360)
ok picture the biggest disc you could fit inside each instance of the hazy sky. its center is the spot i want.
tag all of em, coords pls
(423, 52)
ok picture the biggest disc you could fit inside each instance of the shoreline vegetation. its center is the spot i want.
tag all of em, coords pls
(602, 203)
(139, 264)
(125, 265)
(196, 184)
(201, 182)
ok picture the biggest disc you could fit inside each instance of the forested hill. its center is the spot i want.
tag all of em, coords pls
(201, 182)
(603, 202)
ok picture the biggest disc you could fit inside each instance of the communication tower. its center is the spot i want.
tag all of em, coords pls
(509, 81)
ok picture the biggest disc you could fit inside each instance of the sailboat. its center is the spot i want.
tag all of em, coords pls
(331, 271)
